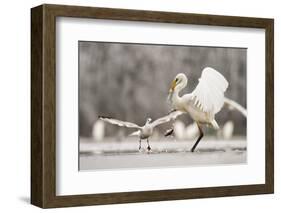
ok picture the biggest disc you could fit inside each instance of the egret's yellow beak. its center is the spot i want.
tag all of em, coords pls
(173, 85)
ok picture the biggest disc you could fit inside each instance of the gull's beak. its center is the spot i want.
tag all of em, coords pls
(173, 85)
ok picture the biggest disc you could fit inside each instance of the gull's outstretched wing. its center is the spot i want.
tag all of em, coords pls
(119, 123)
(171, 116)
(209, 93)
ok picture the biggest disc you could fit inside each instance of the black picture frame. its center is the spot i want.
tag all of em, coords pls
(43, 105)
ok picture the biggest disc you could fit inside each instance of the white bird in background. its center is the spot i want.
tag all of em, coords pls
(98, 130)
(143, 132)
(191, 131)
(227, 130)
(183, 132)
(179, 129)
(204, 102)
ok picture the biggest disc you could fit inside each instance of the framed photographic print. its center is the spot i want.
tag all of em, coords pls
(136, 106)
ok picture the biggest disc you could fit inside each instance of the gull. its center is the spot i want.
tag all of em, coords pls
(205, 101)
(145, 131)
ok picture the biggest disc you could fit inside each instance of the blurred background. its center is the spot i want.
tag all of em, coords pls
(130, 82)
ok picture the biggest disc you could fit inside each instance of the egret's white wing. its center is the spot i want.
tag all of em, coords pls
(171, 116)
(119, 123)
(209, 93)
(235, 105)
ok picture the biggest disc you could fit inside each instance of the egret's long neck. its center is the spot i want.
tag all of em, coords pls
(175, 96)
(180, 87)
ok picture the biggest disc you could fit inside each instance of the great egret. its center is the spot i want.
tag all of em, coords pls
(204, 102)
(143, 132)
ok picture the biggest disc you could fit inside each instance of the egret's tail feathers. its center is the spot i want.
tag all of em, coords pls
(234, 105)
(215, 125)
(136, 133)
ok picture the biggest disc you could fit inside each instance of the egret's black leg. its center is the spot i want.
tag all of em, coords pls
(172, 110)
(139, 144)
(148, 146)
(169, 132)
(198, 139)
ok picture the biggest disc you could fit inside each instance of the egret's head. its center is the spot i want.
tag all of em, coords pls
(148, 120)
(179, 82)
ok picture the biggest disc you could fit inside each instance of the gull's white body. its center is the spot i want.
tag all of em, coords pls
(146, 131)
